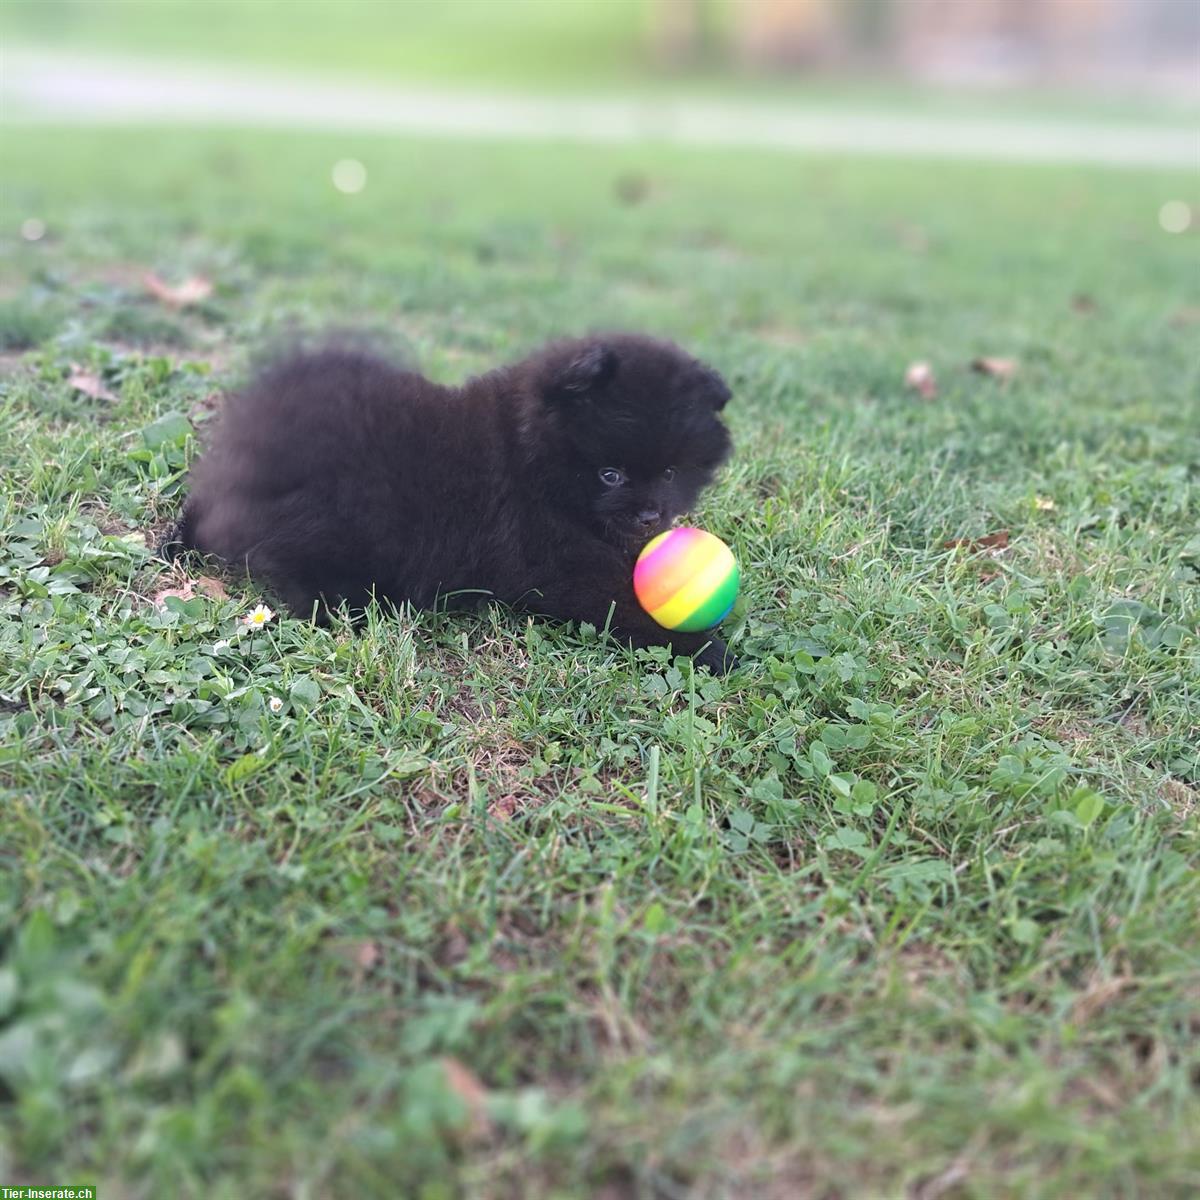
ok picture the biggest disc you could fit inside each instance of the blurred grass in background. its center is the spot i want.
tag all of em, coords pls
(525, 42)
(1123, 62)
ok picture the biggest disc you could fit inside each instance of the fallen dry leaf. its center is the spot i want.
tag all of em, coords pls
(503, 809)
(992, 541)
(89, 383)
(190, 291)
(1188, 315)
(919, 377)
(998, 368)
(205, 585)
(469, 1088)
(186, 592)
(1083, 303)
(214, 589)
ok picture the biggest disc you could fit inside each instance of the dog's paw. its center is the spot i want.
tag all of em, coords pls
(717, 657)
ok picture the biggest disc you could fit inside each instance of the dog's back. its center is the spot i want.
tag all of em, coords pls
(314, 466)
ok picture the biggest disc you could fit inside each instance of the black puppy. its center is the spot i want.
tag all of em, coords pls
(336, 476)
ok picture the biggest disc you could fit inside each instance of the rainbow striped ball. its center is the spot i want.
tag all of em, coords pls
(686, 579)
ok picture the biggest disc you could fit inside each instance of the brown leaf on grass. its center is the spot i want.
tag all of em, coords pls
(992, 541)
(89, 383)
(186, 592)
(998, 368)
(503, 809)
(1082, 303)
(214, 589)
(1188, 315)
(205, 585)
(190, 291)
(469, 1088)
(920, 378)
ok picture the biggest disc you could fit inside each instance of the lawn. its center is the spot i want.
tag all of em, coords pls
(473, 41)
(462, 905)
(543, 47)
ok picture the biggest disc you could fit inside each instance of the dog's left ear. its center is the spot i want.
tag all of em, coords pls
(583, 372)
(714, 389)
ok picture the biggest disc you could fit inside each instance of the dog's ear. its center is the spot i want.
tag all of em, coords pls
(714, 389)
(579, 373)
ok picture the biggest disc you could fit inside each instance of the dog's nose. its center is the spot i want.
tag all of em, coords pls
(649, 517)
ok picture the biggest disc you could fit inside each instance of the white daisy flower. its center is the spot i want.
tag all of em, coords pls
(275, 704)
(223, 644)
(258, 618)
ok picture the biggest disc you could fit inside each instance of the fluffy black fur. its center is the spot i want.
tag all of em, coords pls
(336, 476)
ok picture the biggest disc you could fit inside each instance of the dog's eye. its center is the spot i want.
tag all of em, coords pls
(611, 477)
(669, 474)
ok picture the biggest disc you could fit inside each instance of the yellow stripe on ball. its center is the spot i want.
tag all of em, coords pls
(697, 590)
(686, 579)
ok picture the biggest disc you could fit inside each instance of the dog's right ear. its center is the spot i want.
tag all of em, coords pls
(579, 373)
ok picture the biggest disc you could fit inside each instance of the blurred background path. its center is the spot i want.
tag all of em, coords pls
(62, 86)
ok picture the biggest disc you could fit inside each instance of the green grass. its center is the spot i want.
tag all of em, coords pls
(907, 906)
(528, 46)
(484, 41)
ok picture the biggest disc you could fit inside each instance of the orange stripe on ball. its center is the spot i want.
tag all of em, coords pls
(667, 567)
(686, 579)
